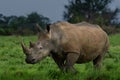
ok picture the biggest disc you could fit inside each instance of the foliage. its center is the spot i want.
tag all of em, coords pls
(36, 18)
(93, 11)
(21, 25)
(13, 66)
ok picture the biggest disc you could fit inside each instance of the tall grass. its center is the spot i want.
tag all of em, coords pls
(13, 66)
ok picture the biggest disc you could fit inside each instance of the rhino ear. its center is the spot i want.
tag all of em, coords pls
(48, 28)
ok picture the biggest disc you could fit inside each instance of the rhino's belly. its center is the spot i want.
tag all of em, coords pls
(83, 60)
(86, 58)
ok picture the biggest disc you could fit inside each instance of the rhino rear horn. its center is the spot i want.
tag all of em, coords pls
(32, 44)
(25, 49)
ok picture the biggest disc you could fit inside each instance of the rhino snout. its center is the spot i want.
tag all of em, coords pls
(31, 61)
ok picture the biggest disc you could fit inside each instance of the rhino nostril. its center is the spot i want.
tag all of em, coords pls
(33, 60)
(41, 47)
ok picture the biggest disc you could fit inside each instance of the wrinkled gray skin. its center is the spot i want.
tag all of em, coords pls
(67, 47)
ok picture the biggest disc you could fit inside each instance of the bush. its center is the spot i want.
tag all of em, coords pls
(111, 29)
(2, 31)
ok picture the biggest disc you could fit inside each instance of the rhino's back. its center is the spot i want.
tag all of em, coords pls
(85, 24)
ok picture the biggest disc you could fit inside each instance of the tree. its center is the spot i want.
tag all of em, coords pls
(37, 18)
(93, 11)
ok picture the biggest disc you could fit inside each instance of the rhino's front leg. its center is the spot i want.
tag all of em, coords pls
(70, 61)
(58, 60)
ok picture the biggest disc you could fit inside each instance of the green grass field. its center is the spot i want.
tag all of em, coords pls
(13, 66)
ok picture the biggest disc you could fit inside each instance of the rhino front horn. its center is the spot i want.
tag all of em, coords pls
(25, 49)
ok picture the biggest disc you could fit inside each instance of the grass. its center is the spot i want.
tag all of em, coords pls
(13, 66)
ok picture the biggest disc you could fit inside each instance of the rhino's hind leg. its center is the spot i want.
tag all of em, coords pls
(70, 61)
(97, 62)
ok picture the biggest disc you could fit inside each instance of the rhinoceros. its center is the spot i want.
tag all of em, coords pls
(69, 44)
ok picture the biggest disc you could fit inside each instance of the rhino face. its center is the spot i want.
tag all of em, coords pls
(35, 53)
(39, 50)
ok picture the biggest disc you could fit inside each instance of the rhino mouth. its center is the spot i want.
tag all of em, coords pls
(32, 61)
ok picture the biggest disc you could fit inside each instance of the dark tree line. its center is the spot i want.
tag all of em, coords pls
(21, 25)
(93, 11)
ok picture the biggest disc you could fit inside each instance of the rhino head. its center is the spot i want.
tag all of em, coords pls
(39, 50)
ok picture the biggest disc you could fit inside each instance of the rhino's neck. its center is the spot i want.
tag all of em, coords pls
(57, 37)
(54, 46)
